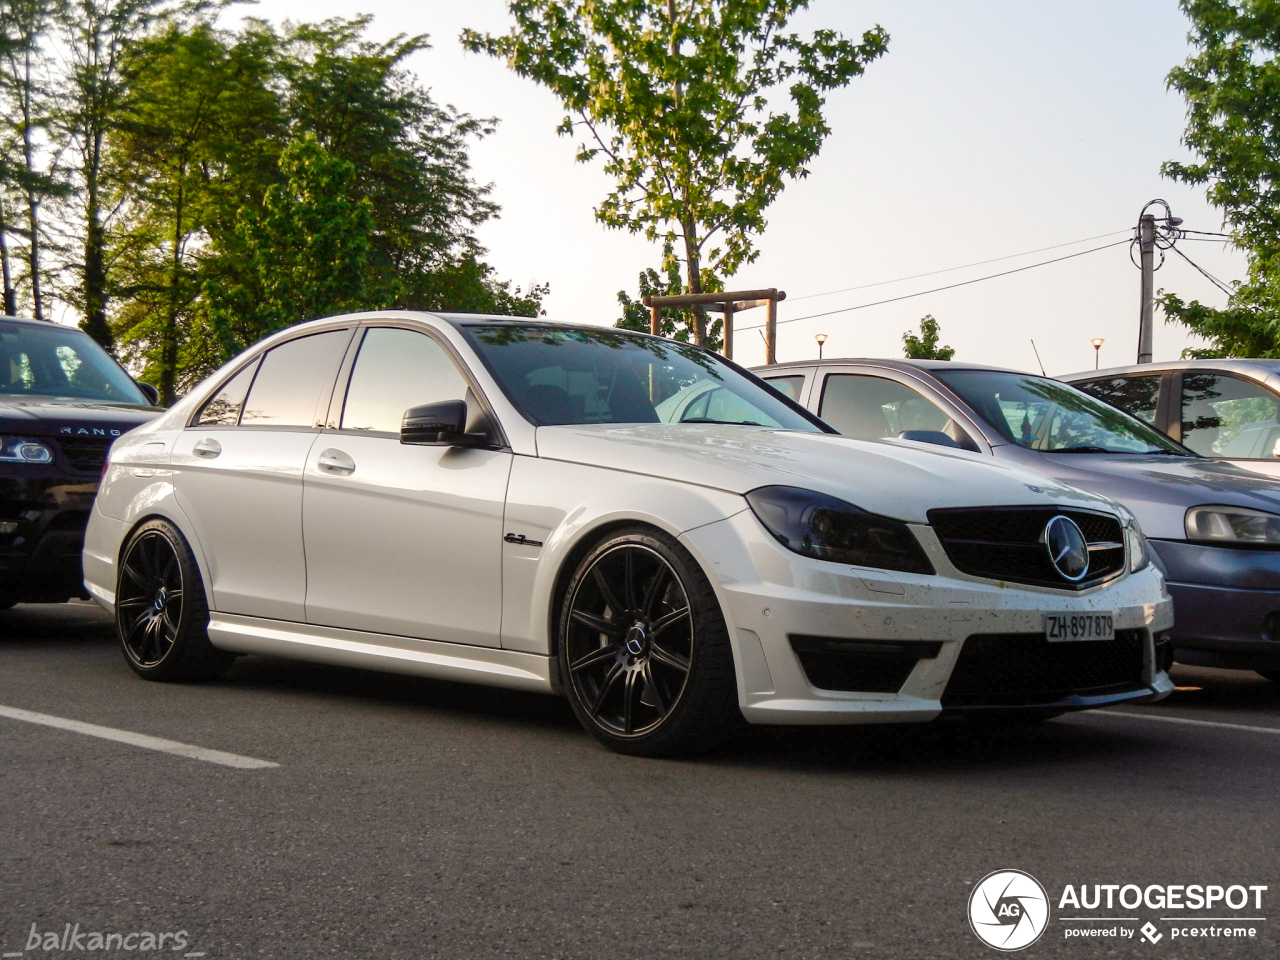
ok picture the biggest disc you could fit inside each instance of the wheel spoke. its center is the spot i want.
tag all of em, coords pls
(651, 591)
(133, 571)
(666, 620)
(606, 685)
(651, 687)
(129, 634)
(129, 603)
(629, 577)
(606, 591)
(628, 701)
(598, 624)
(664, 656)
(169, 568)
(598, 655)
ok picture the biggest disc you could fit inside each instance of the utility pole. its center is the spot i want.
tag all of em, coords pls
(1147, 250)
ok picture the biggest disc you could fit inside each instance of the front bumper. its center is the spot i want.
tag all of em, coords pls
(43, 513)
(778, 605)
(1227, 603)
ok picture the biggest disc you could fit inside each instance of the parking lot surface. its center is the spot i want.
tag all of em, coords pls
(384, 816)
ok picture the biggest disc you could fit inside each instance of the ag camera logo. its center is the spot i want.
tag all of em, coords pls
(1008, 910)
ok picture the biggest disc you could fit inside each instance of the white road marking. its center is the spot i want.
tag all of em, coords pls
(139, 740)
(1193, 723)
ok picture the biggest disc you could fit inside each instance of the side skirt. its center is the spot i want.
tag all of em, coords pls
(375, 651)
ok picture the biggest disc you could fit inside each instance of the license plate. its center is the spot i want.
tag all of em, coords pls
(1079, 626)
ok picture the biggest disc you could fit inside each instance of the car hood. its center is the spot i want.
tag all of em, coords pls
(49, 417)
(1160, 489)
(894, 478)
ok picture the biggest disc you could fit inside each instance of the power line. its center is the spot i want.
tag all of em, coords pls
(963, 266)
(1205, 273)
(950, 286)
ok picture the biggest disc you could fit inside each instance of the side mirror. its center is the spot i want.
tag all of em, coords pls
(441, 424)
(148, 391)
(929, 436)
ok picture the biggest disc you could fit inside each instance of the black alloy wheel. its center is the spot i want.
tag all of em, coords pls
(161, 612)
(644, 650)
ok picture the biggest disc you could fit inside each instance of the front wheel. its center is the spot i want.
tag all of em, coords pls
(162, 616)
(644, 650)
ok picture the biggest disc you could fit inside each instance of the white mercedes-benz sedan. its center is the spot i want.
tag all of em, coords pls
(629, 521)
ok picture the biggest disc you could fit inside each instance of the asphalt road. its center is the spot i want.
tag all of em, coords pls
(408, 818)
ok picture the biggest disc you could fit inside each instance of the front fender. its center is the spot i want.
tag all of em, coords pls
(563, 507)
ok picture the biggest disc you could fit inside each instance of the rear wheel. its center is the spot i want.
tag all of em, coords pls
(162, 616)
(644, 651)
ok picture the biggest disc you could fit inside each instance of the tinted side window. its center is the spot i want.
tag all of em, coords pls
(396, 370)
(1135, 395)
(869, 408)
(223, 409)
(286, 390)
(790, 386)
(1226, 416)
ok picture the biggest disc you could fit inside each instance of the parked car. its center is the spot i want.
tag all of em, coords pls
(1224, 409)
(1215, 529)
(63, 400)
(517, 503)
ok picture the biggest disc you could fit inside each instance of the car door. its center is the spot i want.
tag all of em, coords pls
(403, 539)
(1230, 418)
(791, 381)
(238, 474)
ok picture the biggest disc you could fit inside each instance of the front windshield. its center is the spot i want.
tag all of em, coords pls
(1052, 417)
(567, 375)
(56, 362)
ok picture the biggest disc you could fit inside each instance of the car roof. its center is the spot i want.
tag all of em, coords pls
(27, 321)
(1258, 369)
(893, 364)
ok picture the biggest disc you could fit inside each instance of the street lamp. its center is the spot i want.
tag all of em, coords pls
(821, 338)
(1097, 350)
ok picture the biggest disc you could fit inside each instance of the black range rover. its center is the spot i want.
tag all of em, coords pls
(63, 400)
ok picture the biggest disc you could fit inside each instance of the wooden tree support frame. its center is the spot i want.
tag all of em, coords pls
(729, 303)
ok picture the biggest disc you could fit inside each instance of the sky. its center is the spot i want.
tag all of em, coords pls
(990, 128)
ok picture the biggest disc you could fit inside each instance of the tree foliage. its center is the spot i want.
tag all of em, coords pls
(701, 110)
(672, 322)
(1231, 85)
(925, 346)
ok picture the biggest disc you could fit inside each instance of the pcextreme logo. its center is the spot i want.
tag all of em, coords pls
(1008, 910)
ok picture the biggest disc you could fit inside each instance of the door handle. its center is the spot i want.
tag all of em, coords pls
(335, 461)
(206, 448)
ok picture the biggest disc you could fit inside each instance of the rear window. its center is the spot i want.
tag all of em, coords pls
(52, 361)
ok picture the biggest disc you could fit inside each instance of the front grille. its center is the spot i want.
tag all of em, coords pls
(1004, 543)
(86, 454)
(868, 666)
(1012, 669)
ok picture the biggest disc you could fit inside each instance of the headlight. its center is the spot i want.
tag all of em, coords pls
(18, 450)
(816, 525)
(1135, 546)
(1222, 524)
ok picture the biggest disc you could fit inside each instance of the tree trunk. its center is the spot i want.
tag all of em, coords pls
(693, 274)
(10, 305)
(169, 335)
(33, 200)
(95, 261)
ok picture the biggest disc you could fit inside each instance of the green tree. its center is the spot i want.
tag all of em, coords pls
(308, 251)
(686, 106)
(925, 346)
(1231, 85)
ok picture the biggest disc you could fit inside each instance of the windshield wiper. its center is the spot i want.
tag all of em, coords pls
(734, 423)
(1083, 448)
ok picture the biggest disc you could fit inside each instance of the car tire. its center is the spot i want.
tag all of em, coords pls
(158, 572)
(644, 650)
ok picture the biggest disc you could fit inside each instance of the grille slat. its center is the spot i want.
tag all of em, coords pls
(1003, 543)
(86, 454)
(1013, 669)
